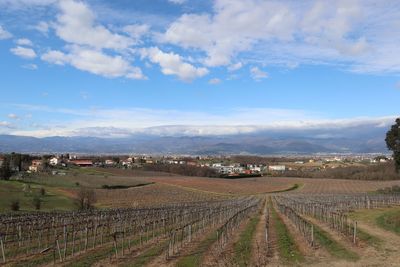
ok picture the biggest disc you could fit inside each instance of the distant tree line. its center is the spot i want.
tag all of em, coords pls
(182, 169)
(12, 163)
(381, 171)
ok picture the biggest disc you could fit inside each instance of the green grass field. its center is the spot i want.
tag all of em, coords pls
(25, 193)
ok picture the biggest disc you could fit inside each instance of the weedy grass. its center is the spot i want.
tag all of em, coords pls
(287, 247)
(333, 247)
(390, 220)
(195, 259)
(242, 247)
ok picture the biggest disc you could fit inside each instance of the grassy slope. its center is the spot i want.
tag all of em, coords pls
(14, 190)
(390, 220)
(386, 218)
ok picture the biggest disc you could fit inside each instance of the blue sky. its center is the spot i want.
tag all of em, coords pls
(97, 67)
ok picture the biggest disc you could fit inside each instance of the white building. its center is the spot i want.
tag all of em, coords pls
(54, 161)
(277, 167)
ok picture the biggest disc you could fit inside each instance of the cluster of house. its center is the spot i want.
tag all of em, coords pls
(128, 162)
(246, 169)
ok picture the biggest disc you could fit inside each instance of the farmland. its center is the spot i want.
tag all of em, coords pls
(146, 218)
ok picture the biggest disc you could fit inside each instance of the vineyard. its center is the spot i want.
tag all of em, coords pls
(266, 229)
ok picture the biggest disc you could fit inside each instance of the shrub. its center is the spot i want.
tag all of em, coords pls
(42, 191)
(37, 202)
(15, 205)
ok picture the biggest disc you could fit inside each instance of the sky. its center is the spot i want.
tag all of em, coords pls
(112, 68)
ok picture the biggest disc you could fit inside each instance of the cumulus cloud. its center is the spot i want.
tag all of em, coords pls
(30, 66)
(234, 27)
(91, 46)
(4, 34)
(13, 116)
(178, 2)
(235, 66)
(95, 62)
(288, 33)
(24, 41)
(42, 27)
(23, 52)
(76, 24)
(258, 74)
(137, 31)
(173, 64)
(5, 124)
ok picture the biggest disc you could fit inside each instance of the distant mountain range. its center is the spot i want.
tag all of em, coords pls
(349, 139)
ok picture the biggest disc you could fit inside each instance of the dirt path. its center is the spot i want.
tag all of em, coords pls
(273, 253)
(260, 252)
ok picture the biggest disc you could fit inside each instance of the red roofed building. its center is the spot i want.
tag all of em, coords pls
(82, 162)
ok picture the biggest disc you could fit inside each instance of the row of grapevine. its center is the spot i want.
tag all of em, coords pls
(330, 209)
(66, 234)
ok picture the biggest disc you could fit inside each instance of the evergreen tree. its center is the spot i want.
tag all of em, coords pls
(5, 171)
(393, 142)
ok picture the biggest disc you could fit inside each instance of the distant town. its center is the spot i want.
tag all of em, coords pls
(218, 166)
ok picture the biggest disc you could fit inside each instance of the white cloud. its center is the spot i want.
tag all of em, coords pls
(137, 31)
(361, 34)
(24, 41)
(180, 122)
(234, 27)
(55, 57)
(76, 25)
(236, 66)
(94, 61)
(42, 27)
(258, 74)
(23, 52)
(173, 64)
(214, 81)
(4, 34)
(30, 66)
(178, 2)
(13, 116)
(5, 124)
(25, 3)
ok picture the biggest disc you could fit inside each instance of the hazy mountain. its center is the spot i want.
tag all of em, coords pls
(357, 139)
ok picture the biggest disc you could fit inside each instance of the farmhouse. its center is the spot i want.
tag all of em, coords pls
(109, 162)
(54, 161)
(82, 162)
(277, 168)
(36, 165)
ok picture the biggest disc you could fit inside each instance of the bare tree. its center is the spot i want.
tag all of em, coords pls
(86, 198)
